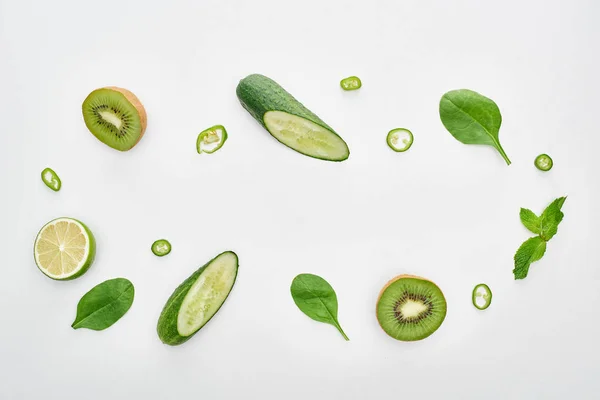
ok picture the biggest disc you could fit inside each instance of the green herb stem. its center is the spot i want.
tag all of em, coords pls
(503, 154)
(339, 328)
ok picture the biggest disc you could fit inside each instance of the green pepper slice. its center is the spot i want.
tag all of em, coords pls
(399, 139)
(544, 162)
(51, 179)
(482, 296)
(211, 139)
(161, 247)
(351, 83)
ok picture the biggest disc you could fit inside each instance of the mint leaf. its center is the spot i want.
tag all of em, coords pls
(551, 217)
(531, 221)
(530, 251)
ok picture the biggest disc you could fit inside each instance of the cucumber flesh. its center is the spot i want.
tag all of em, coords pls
(305, 136)
(288, 120)
(197, 299)
(207, 294)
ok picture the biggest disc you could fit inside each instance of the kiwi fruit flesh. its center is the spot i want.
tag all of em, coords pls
(115, 116)
(410, 308)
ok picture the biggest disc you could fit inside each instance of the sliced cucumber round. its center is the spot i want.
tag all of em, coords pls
(288, 121)
(197, 299)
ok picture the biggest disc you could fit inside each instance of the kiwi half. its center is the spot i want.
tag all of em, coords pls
(115, 116)
(410, 308)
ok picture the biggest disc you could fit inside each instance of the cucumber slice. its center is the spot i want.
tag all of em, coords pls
(197, 299)
(288, 121)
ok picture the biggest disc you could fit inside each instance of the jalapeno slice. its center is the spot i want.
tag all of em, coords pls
(161, 247)
(51, 179)
(400, 139)
(482, 296)
(544, 162)
(351, 83)
(211, 139)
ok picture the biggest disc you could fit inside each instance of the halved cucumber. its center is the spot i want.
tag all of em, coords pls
(288, 121)
(197, 299)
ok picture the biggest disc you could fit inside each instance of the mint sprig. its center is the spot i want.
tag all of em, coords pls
(531, 221)
(545, 226)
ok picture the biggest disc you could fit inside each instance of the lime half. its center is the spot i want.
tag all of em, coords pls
(64, 249)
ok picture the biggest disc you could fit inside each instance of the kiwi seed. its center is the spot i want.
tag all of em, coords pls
(115, 116)
(410, 308)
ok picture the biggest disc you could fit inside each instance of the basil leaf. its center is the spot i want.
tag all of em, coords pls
(551, 217)
(472, 118)
(317, 299)
(531, 221)
(530, 251)
(104, 305)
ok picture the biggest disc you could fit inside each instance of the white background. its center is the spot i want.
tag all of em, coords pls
(443, 210)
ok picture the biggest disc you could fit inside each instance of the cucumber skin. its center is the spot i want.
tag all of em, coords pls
(167, 322)
(259, 94)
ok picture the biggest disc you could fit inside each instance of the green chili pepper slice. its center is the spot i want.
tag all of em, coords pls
(161, 247)
(51, 179)
(211, 139)
(544, 162)
(400, 139)
(351, 83)
(482, 296)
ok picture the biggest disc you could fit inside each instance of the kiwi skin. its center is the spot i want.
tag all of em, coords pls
(137, 104)
(394, 280)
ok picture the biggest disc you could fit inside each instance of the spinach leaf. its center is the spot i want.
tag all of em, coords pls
(531, 221)
(530, 251)
(472, 118)
(104, 305)
(317, 299)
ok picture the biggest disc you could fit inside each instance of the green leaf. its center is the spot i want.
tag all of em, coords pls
(317, 299)
(104, 305)
(472, 118)
(551, 217)
(530, 251)
(530, 220)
